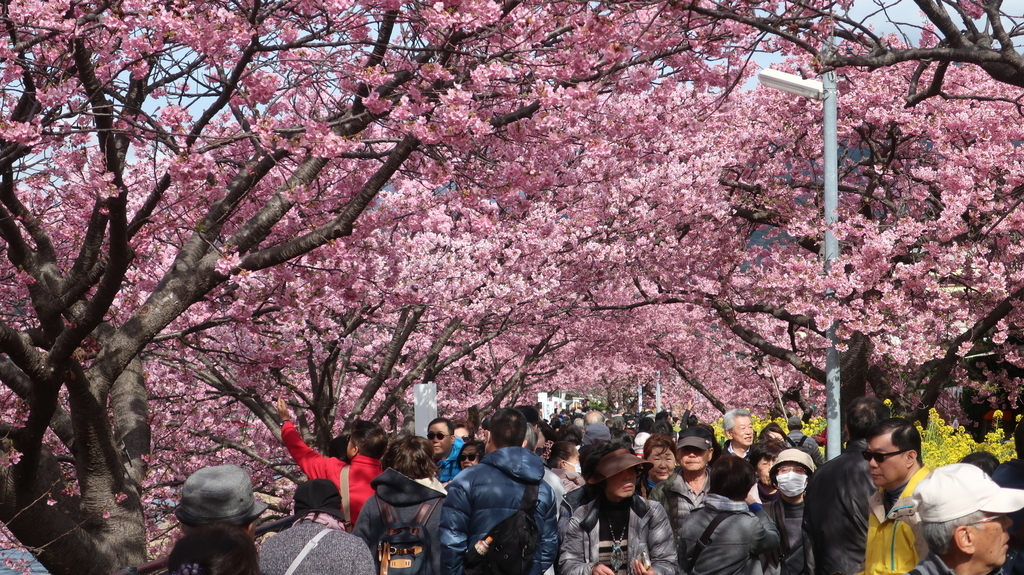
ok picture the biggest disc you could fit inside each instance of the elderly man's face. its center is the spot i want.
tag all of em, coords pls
(742, 432)
(989, 538)
(694, 459)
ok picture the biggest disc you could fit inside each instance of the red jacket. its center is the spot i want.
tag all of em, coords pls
(316, 466)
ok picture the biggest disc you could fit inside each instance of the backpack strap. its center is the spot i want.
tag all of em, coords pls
(425, 511)
(310, 545)
(529, 502)
(386, 511)
(384, 549)
(803, 440)
(346, 499)
(705, 538)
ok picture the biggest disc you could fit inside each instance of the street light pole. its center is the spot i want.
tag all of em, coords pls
(827, 92)
(831, 151)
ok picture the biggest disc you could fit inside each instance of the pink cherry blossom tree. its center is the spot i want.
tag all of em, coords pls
(164, 163)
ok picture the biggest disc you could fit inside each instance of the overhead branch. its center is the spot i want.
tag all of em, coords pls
(422, 366)
(728, 315)
(408, 320)
(939, 371)
(690, 380)
(340, 226)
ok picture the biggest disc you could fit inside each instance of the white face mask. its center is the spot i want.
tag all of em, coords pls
(791, 483)
(577, 468)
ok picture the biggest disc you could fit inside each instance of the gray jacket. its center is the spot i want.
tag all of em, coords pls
(337, 553)
(735, 543)
(807, 444)
(932, 565)
(678, 499)
(648, 530)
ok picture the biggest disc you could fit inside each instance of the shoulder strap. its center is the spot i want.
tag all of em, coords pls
(310, 545)
(790, 441)
(386, 511)
(673, 511)
(529, 501)
(425, 511)
(803, 440)
(705, 538)
(346, 500)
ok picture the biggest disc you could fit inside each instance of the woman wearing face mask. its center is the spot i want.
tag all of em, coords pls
(564, 461)
(790, 473)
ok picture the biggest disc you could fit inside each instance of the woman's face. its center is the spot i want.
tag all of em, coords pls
(664, 462)
(570, 463)
(469, 457)
(621, 485)
(764, 468)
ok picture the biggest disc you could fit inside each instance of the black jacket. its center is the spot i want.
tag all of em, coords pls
(406, 496)
(787, 560)
(836, 512)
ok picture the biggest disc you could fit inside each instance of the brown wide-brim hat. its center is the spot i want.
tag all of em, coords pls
(615, 462)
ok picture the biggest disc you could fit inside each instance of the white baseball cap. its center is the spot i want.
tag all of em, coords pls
(954, 491)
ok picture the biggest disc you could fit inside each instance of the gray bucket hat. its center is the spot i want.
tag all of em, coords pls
(220, 493)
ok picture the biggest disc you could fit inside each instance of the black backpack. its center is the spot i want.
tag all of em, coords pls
(404, 548)
(513, 542)
(795, 444)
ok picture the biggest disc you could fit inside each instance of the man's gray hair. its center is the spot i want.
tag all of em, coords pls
(592, 418)
(531, 437)
(938, 536)
(729, 419)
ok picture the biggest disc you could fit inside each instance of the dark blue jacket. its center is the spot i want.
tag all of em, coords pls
(483, 495)
(1011, 474)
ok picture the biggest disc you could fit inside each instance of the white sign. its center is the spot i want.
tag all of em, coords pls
(425, 396)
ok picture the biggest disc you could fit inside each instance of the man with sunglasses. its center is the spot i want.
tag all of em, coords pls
(894, 543)
(441, 433)
(963, 518)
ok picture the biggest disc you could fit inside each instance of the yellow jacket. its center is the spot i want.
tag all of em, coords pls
(894, 544)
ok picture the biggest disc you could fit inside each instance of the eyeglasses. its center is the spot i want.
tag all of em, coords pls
(989, 519)
(467, 457)
(437, 435)
(791, 469)
(880, 457)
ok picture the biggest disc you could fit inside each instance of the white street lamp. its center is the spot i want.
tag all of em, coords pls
(825, 91)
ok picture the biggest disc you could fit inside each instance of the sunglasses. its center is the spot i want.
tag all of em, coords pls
(467, 457)
(880, 457)
(437, 435)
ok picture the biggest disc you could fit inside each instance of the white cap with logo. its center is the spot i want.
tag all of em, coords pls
(954, 491)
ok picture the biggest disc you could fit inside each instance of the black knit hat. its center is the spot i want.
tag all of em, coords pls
(318, 495)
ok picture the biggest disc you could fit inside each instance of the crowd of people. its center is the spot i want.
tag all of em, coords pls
(598, 495)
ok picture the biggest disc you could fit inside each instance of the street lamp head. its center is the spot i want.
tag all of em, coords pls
(791, 83)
